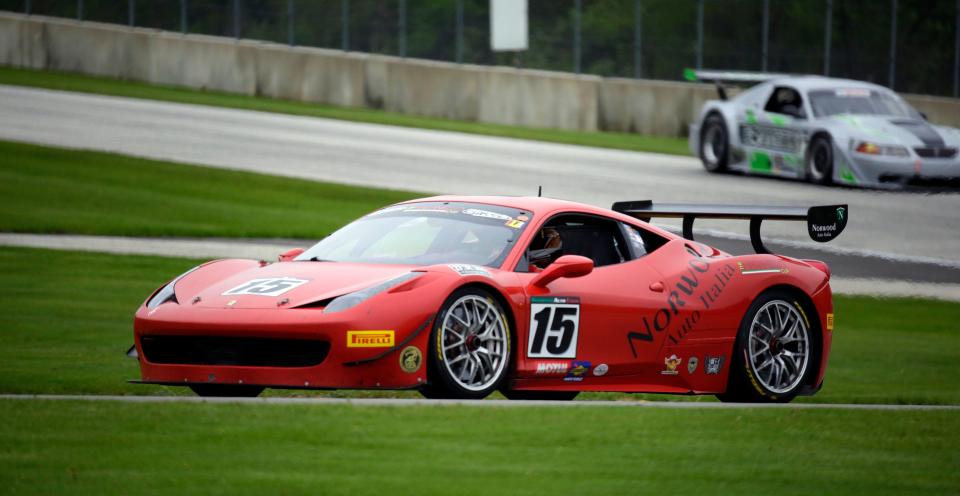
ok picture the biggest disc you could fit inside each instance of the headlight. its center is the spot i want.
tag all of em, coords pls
(351, 300)
(869, 148)
(166, 293)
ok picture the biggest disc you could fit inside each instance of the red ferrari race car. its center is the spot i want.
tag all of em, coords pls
(539, 298)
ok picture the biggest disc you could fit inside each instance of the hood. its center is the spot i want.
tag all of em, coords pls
(897, 130)
(230, 284)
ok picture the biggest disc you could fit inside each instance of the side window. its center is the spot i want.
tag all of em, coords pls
(786, 101)
(596, 238)
(642, 241)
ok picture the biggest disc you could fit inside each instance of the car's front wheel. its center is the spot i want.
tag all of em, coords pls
(469, 347)
(820, 160)
(226, 390)
(773, 353)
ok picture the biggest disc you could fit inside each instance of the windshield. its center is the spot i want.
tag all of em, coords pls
(426, 233)
(859, 101)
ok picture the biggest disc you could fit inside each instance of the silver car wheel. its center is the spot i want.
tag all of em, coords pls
(779, 346)
(474, 342)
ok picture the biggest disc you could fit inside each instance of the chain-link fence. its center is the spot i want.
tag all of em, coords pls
(910, 45)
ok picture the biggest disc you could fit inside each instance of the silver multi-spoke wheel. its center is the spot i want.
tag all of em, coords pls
(779, 346)
(474, 342)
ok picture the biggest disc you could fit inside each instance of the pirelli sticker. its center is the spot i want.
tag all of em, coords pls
(370, 339)
(829, 321)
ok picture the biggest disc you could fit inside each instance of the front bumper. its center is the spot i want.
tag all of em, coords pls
(332, 365)
(895, 171)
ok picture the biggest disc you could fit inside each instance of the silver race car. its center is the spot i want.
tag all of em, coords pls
(820, 129)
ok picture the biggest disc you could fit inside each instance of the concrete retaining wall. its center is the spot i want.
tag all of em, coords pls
(499, 95)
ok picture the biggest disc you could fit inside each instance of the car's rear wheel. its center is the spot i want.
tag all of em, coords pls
(226, 390)
(714, 144)
(774, 351)
(819, 166)
(469, 347)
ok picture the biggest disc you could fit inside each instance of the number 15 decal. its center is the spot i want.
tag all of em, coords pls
(554, 324)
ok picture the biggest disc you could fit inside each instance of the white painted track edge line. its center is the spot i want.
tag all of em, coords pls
(374, 402)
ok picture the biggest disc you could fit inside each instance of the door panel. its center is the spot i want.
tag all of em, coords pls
(587, 319)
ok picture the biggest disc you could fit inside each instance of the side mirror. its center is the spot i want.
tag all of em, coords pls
(290, 254)
(565, 266)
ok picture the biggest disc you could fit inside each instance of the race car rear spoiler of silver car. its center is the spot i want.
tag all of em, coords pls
(824, 222)
(720, 77)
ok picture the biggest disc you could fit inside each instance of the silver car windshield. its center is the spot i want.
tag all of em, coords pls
(858, 101)
(426, 233)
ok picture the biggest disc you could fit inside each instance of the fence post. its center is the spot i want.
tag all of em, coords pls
(183, 16)
(699, 34)
(236, 19)
(402, 28)
(131, 12)
(459, 49)
(79, 10)
(26, 7)
(893, 41)
(827, 35)
(637, 39)
(290, 35)
(577, 5)
(956, 54)
(766, 35)
(345, 25)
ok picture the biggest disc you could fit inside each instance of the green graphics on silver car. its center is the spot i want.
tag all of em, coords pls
(822, 130)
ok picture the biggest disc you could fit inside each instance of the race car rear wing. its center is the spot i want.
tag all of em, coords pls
(824, 222)
(737, 77)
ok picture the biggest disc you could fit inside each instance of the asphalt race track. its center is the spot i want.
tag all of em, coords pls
(889, 228)
(400, 402)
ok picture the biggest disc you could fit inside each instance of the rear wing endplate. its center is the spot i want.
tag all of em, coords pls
(824, 222)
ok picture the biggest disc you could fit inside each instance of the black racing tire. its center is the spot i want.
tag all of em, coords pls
(226, 390)
(539, 395)
(819, 160)
(468, 357)
(766, 366)
(714, 144)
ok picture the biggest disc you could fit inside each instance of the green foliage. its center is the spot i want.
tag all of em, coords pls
(732, 33)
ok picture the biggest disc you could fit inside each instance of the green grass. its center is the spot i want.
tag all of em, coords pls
(108, 448)
(107, 86)
(67, 321)
(54, 190)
